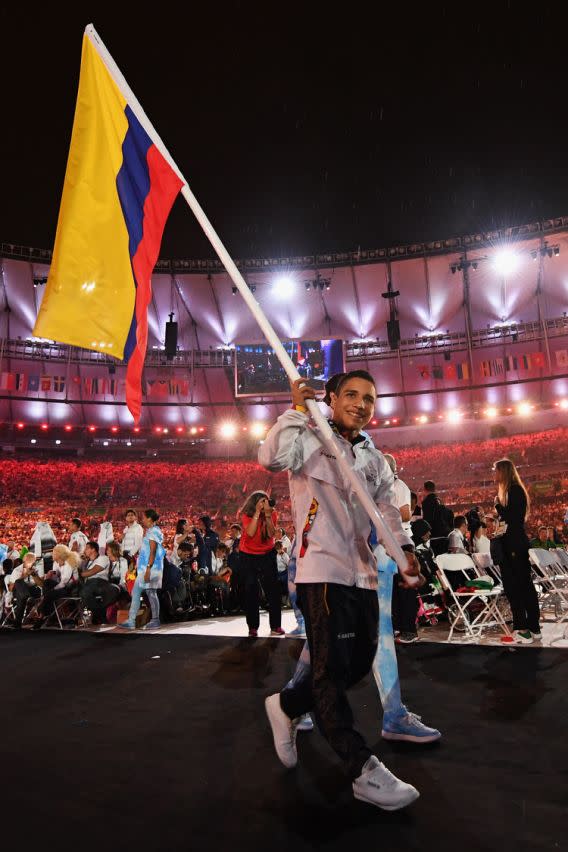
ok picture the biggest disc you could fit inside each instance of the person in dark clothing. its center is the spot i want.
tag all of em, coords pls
(512, 505)
(210, 540)
(435, 513)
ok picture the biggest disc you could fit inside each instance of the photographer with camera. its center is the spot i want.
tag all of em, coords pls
(257, 561)
(23, 583)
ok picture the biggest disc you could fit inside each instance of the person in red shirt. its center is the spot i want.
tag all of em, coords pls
(257, 561)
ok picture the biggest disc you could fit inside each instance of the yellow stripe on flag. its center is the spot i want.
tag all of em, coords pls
(90, 292)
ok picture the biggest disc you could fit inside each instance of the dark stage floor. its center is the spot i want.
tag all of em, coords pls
(105, 747)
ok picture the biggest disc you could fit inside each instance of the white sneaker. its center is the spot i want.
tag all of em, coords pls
(283, 731)
(305, 723)
(522, 637)
(378, 786)
(537, 636)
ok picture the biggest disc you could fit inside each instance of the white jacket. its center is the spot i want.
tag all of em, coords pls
(337, 543)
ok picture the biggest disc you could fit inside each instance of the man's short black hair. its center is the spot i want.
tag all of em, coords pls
(459, 521)
(429, 486)
(185, 545)
(94, 545)
(354, 374)
(77, 522)
(128, 511)
(152, 514)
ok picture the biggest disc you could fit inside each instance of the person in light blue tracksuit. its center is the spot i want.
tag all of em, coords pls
(150, 569)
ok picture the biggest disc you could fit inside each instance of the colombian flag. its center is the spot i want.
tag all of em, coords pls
(117, 196)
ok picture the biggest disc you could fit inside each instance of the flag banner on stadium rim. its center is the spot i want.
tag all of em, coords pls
(494, 367)
(90, 386)
(117, 195)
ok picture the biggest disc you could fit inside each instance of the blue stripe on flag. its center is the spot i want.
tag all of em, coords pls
(133, 185)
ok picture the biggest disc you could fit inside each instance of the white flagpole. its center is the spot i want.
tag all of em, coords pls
(325, 432)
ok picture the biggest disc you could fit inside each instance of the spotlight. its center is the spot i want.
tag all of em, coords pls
(165, 430)
(179, 429)
(257, 430)
(505, 262)
(58, 442)
(105, 443)
(373, 422)
(129, 443)
(114, 429)
(490, 412)
(33, 441)
(19, 425)
(524, 409)
(68, 427)
(157, 429)
(387, 423)
(564, 404)
(284, 287)
(227, 430)
(92, 428)
(193, 430)
(422, 419)
(136, 429)
(454, 416)
(202, 428)
(44, 427)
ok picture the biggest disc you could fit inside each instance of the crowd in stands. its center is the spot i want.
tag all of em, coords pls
(98, 493)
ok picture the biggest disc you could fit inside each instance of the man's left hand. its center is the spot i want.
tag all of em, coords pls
(412, 570)
(147, 576)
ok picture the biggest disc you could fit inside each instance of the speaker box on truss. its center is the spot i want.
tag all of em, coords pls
(393, 332)
(171, 338)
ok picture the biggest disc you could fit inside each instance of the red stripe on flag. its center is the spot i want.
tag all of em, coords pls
(164, 187)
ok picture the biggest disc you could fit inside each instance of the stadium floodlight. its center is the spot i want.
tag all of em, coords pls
(193, 430)
(454, 416)
(257, 430)
(227, 430)
(284, 287)
(564, 404)
(505, 262)
(490, 412)
(524, 409)
(33, 441)
(422, 419)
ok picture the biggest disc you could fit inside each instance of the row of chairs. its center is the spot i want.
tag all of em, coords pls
(471, 611)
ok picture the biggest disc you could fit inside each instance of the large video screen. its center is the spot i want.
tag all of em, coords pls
(258, 371)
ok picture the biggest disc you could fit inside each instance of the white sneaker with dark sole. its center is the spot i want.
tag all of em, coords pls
(305, 723)
(283, 731)
(377, 786)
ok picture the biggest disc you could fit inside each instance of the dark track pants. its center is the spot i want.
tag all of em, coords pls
(342, 631)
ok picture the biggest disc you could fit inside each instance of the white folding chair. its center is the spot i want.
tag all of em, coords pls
(550, 576)
(562, 556)
(460, 613)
